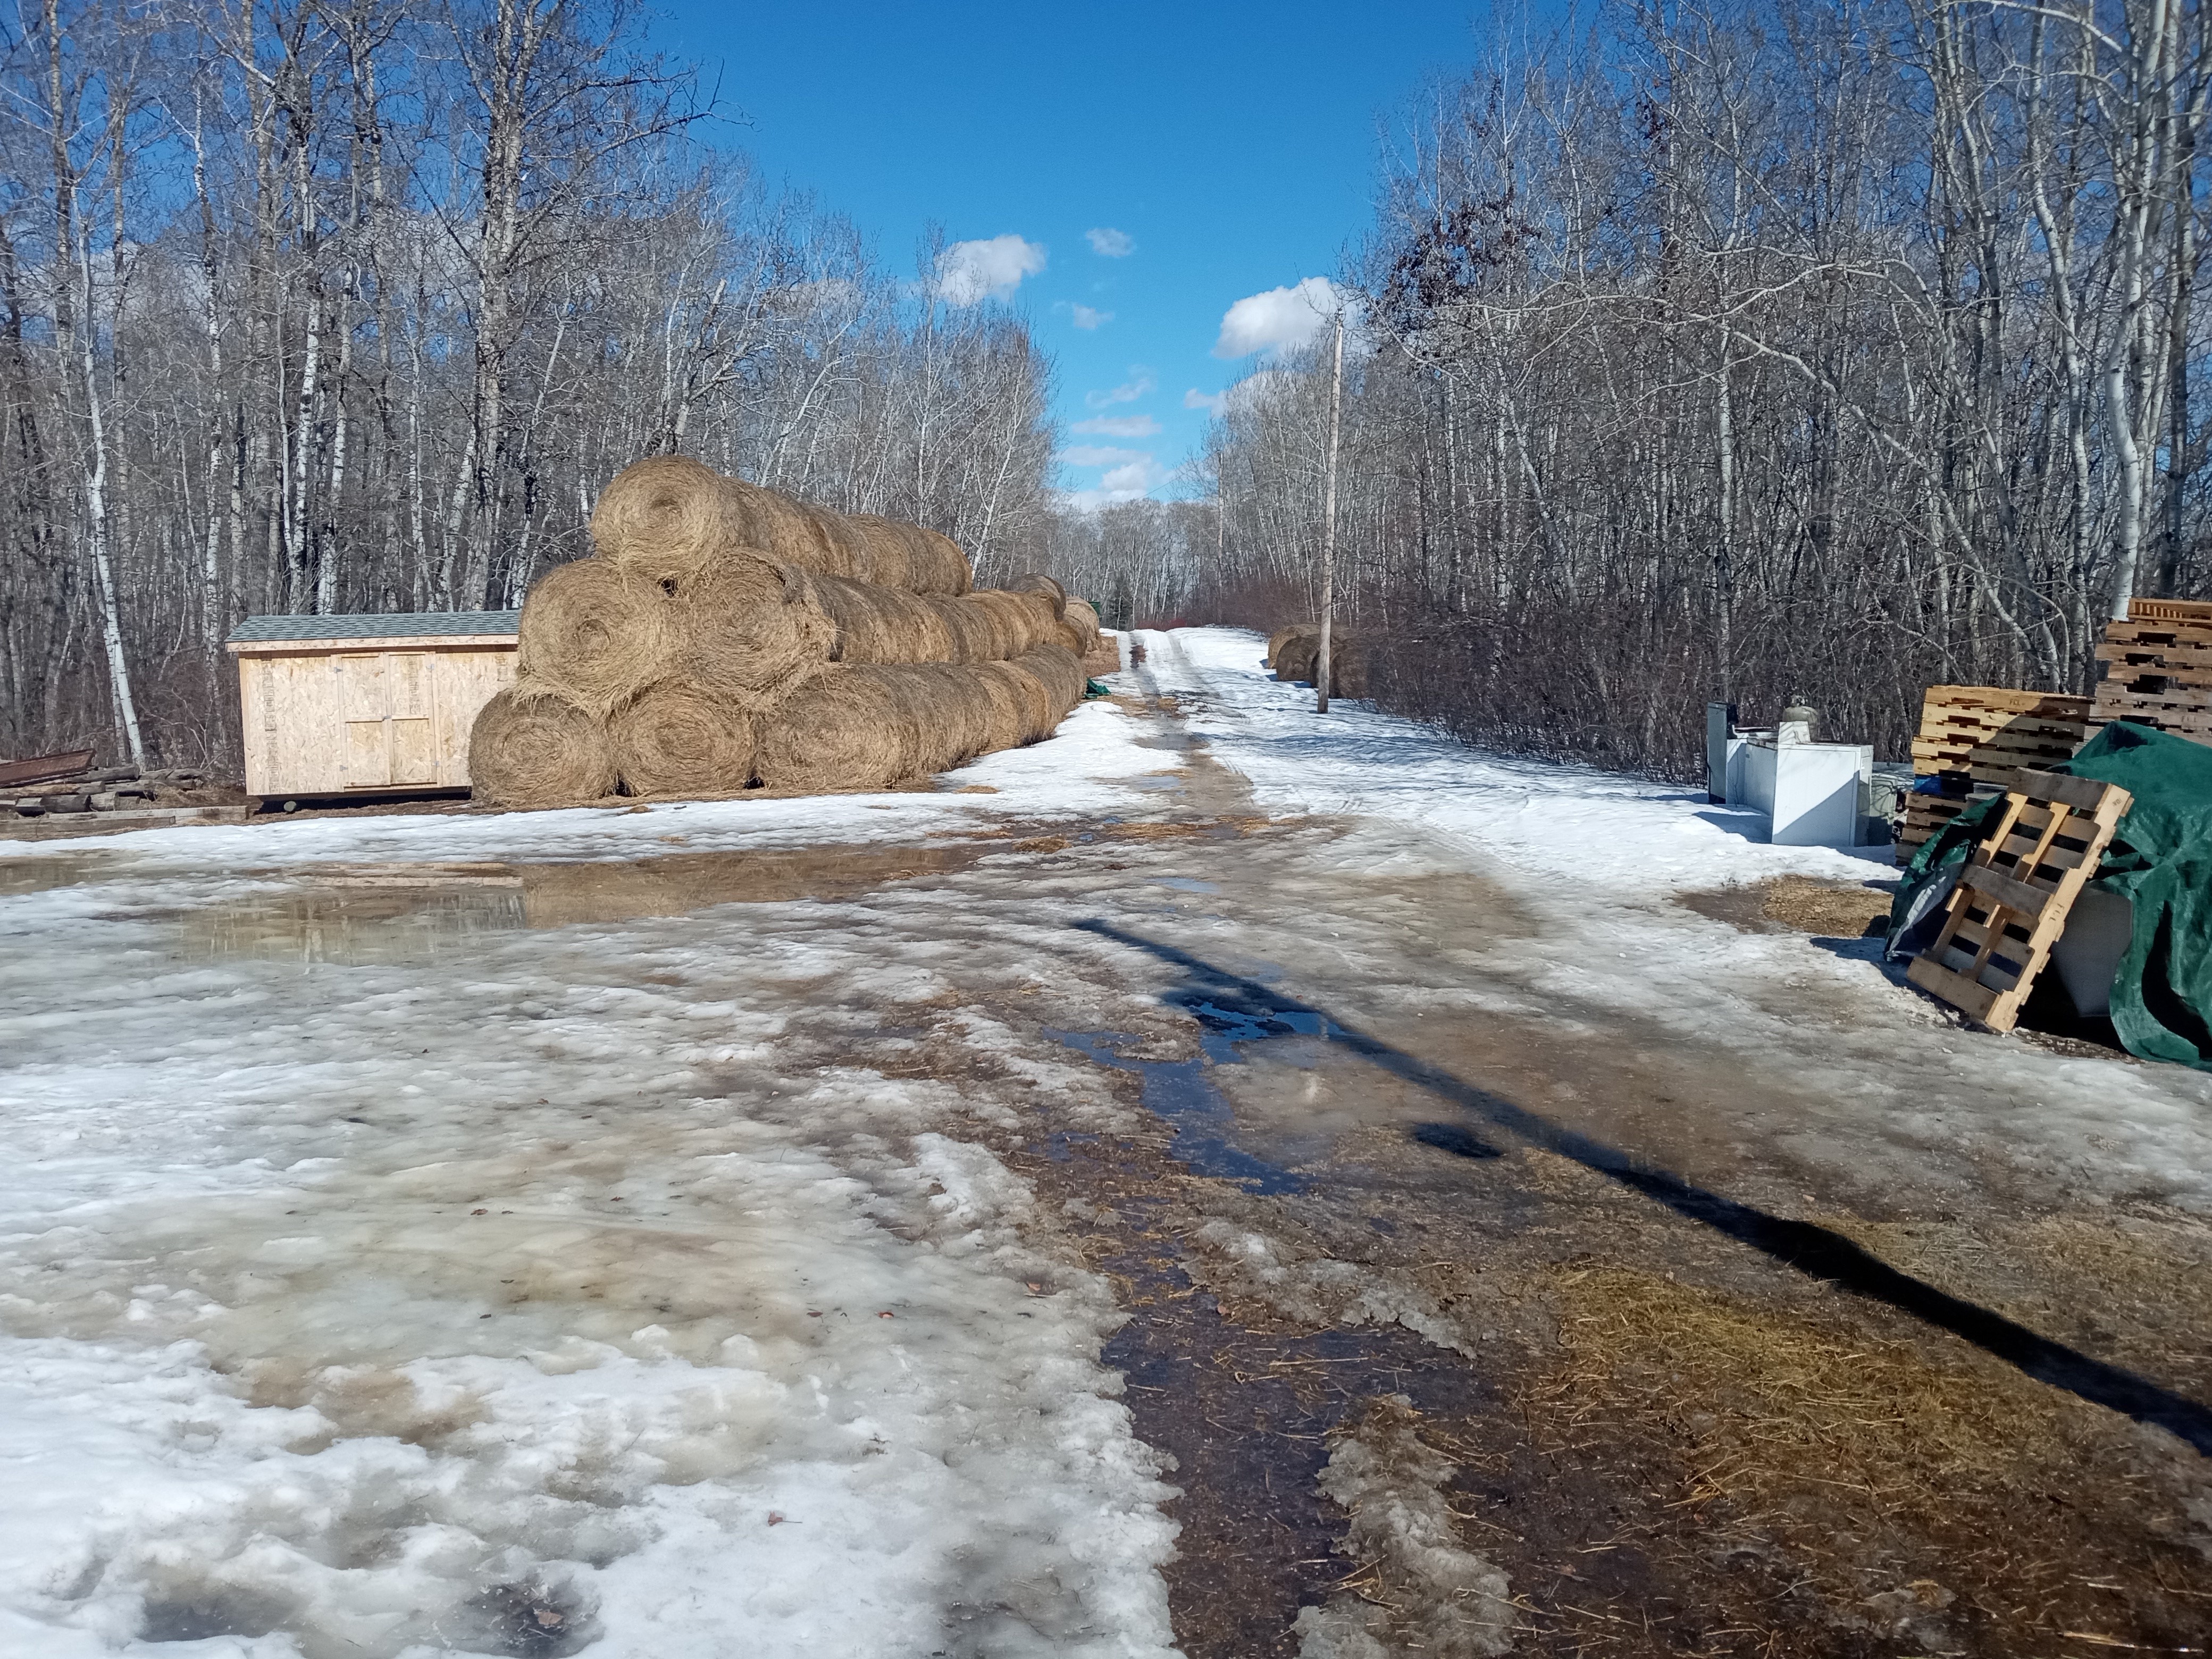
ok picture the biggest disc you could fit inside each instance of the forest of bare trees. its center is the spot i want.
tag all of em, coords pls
(325, 306)
(1744, 350)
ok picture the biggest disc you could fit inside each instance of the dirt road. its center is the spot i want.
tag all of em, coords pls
(763, 1223)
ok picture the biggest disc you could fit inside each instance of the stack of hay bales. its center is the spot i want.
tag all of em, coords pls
(725, 636)
(1294, 652)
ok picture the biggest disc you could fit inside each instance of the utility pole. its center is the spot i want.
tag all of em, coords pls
(1328, 513)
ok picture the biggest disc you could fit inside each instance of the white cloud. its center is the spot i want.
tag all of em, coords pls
(1280, 317)
(1126, 474)
(1194, 399)
(1100, 455)
(1118, 426)
(1111, 244)
(1140, 381)
(970, 272)
(1084, 317)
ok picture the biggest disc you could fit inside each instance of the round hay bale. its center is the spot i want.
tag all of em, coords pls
(788, 530)
(990, 629)
(1283, 636)
(883, 624)
(533, 747)
(679, 739)
(1348, 655)
(1036, 582)
(953, 714)
(1295, 660)
(887, 559)
(1024, 620)
(845, 730)
(972, 635)
(1080, 617)
(599, 632)
(750, 631)
(663, 517)
(1008, 695)
(939, 565)
(1034, 714)
(1062, 676)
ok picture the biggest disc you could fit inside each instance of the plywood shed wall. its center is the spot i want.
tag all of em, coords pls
(338, 705)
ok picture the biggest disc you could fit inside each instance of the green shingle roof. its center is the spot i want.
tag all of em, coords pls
(409, 625)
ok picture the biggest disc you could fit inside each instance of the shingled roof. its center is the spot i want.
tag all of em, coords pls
(404, 624)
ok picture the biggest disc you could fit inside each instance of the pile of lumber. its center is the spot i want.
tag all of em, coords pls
(1983, 739)
(2156, 667)
(724, 637)
(61, 785)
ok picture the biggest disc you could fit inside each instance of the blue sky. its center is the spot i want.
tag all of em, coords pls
(1230, 148)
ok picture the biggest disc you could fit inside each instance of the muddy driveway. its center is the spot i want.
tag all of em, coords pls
(1492, 1256)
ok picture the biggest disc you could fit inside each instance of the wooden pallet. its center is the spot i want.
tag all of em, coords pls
(2155, 668)
(1924, 815)
(2015, 892)
(1991, 735)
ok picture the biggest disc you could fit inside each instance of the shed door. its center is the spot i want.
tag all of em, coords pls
(387, 738)
(414, 735)
(364, 749)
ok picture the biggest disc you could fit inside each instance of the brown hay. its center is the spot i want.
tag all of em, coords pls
(662, 517)
(1283, 636)
(882, 624)
(751, 632)
(1078, 627)
(1297, 657)
(1034, 716)
(975, 637)
(888, 559)
(1025, 620)
(849, 729)
(667, 516)
(533, 747)
(1014, 704)
(1036, 582)
(598, 633)
(679, 739)
(1833, 909)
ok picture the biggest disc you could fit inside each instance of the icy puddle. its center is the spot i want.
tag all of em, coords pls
(400, 913)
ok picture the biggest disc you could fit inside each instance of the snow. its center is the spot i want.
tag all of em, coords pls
(402, 1301)
(450, 1285)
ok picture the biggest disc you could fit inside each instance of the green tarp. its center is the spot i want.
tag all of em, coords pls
(2160, 861)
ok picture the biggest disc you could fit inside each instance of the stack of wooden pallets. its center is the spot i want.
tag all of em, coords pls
(2156, 667)
(1990, 735)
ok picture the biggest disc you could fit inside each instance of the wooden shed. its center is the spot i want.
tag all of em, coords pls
(338, 705)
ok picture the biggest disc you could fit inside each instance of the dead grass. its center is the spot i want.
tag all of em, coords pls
(1769, 1398)
(1829, 909)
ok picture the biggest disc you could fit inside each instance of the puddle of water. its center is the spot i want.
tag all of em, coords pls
(384, 914)
(1187, 885)
(43, 875)
(1180, 1092)
(1183, 1093)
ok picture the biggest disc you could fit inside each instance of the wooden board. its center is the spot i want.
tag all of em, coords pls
(39, 767)
(2014, 895)
(2170, 611)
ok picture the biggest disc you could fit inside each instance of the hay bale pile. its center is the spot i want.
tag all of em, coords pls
(725, 636)
(1294, 652)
